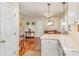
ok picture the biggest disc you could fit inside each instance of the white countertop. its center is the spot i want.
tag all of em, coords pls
(65, 41)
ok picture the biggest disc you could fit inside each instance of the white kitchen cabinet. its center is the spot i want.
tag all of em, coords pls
(49, 47)
(72, 13)
(8, 31)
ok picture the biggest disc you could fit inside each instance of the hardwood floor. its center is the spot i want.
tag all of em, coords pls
(30, 45)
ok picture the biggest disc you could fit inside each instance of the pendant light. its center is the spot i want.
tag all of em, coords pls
(50, 22)
(64, 23)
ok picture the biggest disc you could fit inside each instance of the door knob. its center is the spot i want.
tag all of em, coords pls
(14, 33)
(3, 41)
(14, 52)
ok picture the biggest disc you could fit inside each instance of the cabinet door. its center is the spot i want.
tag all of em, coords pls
(49, 48)
(72, 13)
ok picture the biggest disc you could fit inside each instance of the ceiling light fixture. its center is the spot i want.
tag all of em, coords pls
(50, 22)
(64, 23)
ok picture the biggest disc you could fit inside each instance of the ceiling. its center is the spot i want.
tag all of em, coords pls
(40, 9)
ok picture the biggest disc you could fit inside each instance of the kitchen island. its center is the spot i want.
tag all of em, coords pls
(58, 45)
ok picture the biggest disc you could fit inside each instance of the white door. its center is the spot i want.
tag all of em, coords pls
(0, 29)
(49, 47)
(8, 34)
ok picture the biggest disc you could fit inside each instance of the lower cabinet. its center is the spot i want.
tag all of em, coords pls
(50, 47)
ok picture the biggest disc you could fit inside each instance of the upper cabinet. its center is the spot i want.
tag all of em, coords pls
(72, 13)
(71, 16)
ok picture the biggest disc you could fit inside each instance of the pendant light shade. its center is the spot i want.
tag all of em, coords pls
(64, 23)
(50, 22)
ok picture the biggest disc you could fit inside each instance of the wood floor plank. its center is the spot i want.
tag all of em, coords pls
(28, 45)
